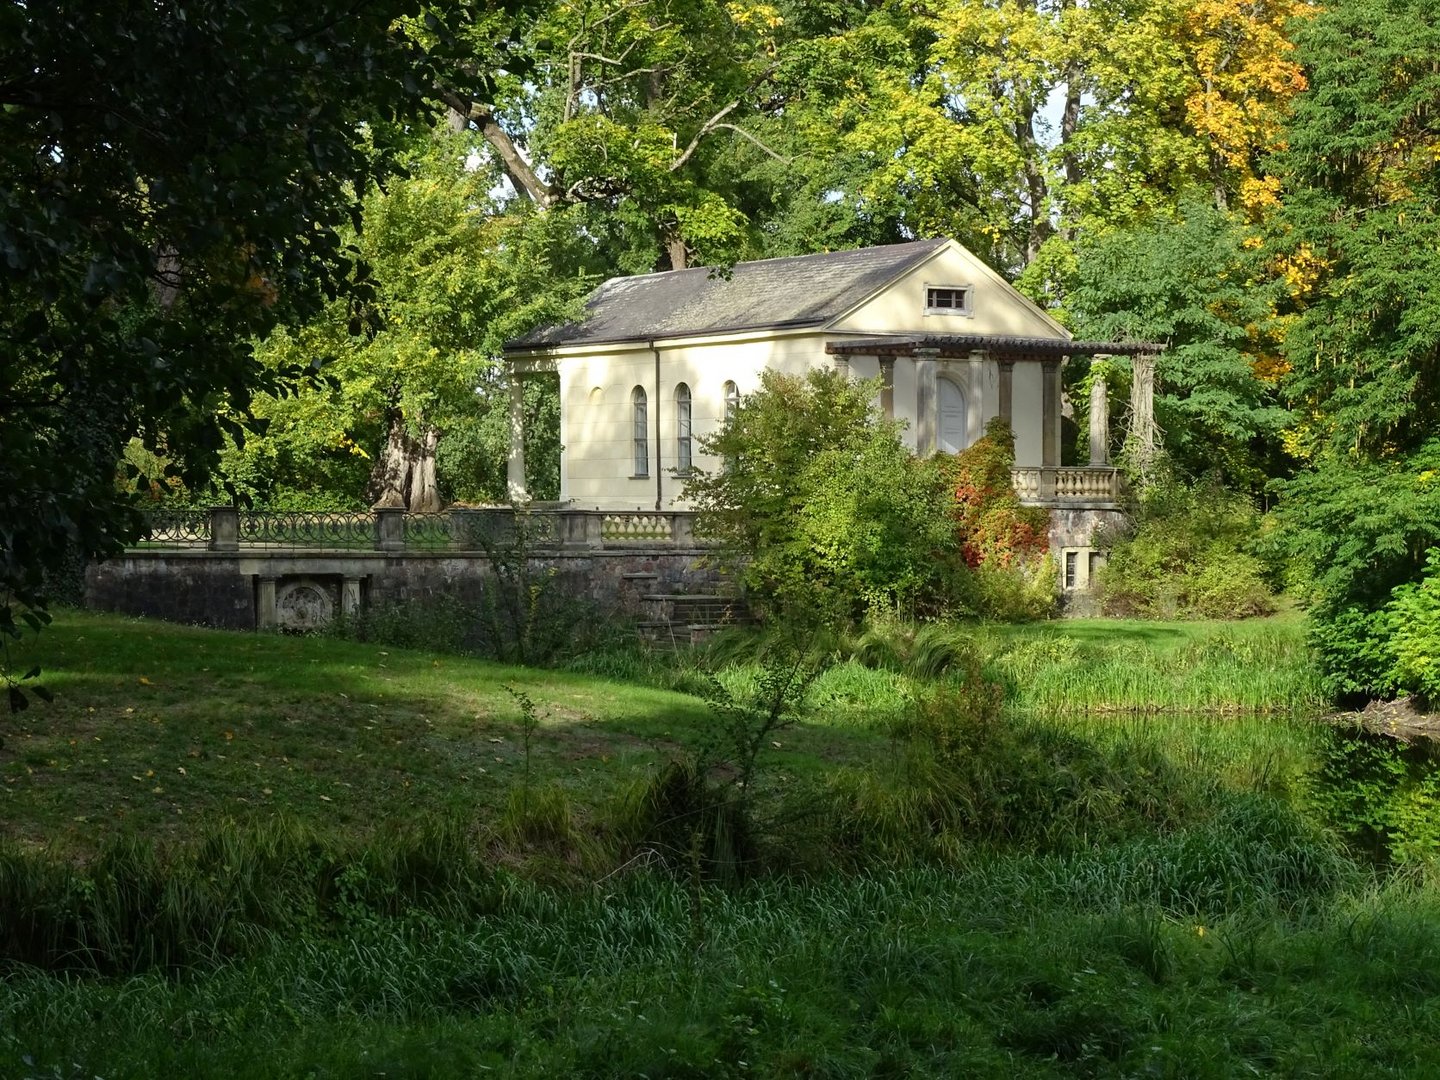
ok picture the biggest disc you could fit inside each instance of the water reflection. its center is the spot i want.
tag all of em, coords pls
(1382, 794)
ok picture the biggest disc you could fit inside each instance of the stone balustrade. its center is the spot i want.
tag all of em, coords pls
(1093, 486)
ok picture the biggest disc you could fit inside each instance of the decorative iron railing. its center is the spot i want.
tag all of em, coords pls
(428, 532)
(176, 528)
(302, 529)
(486, 529)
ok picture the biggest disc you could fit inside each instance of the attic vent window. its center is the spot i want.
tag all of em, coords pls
(947, 300)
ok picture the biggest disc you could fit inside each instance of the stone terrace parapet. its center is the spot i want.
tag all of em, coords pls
(226, 529)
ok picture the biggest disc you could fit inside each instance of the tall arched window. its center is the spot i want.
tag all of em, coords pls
(642, 431)
(732, 405)
(682, 428)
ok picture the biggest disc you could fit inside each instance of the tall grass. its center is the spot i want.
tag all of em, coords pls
(1256, 669)
(1246, 947)
(139, 905)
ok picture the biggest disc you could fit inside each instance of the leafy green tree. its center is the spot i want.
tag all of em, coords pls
(827, 511)
(627, 109)
(1358, 238)
(1192, 285)
(175, 181)
(453, 274)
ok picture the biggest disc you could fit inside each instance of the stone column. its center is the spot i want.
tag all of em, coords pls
(842, 364)
(887, 387)
(926, 405)
(515, 469)
(1099, 422)
(265, 616)
(1007, 385)
(1050, 413)
(224, 528)
(1143, 442)
(350, 597)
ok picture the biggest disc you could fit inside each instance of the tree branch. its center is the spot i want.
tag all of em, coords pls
(520, 172)
(745, 134)
(715, 121)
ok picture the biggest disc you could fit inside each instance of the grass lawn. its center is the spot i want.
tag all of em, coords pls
(1194, 924)
(161, 729)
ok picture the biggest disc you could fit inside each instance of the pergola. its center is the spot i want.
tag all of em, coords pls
(1004, 349)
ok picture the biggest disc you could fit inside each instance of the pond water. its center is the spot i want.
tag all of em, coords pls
(1382, 794)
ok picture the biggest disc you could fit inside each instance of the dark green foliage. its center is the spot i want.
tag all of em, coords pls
(820, 499)
(1352, 650)
(1360, 225)
(1188, 556)
(175, 182)
(1190, 284)
(1376, 653)
(1413, 615)
(1359, 235)
(1358, 530)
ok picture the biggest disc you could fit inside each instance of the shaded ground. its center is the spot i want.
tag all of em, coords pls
(161, 727)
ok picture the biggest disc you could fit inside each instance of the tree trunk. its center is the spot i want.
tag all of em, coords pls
(424, 492)
(676, 250)
(1143, 442)
(1036, 188)
(404, 474)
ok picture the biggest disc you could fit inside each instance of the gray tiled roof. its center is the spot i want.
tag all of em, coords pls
(804, 290)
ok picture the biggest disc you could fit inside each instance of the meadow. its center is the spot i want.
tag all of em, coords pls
(1075, 849)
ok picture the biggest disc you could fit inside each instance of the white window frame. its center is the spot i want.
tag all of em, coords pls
(966, 310)
(684, 429)
(640, 415)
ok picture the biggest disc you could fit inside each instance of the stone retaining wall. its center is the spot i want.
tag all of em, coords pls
(230, 590)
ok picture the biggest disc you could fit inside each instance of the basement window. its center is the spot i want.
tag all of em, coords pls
(947, 300)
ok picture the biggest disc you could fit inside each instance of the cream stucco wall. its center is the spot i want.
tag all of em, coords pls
(1027, 411)
(597, 411)
(995, 307)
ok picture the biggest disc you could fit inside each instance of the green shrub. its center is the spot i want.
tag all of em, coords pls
(1412, 619)
(1352, 650)
(1375, 653)
(823, 510)
(1187, 556)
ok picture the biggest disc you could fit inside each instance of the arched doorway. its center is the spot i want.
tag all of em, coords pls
(954, 426)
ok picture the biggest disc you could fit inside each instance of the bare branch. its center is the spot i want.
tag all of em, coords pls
(716, 120)
(520, 172)
(705, 129)
(742, 132)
